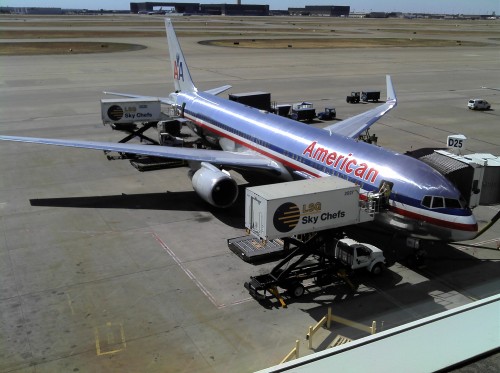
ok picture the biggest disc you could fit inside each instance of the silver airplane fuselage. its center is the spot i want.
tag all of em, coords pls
(313, 152)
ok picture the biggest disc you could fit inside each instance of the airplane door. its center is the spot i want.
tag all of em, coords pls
(385, 191)
(255, 215)
(477, 181)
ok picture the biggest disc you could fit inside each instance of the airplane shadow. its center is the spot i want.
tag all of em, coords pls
(168, 201)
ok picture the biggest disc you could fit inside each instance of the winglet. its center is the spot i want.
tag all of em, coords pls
(180, 71)
(391, 93)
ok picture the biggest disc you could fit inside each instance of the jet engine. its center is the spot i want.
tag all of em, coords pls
(215, 186)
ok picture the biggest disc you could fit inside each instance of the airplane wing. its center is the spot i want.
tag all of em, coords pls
(354, 126)
(216, 157)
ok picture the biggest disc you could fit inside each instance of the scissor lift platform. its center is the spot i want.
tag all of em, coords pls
(251, 249)
(306, 258)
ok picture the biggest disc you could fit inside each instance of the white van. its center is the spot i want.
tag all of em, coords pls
(478, 104)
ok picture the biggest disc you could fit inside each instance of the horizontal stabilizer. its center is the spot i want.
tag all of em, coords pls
(164, 100)
(218, 90)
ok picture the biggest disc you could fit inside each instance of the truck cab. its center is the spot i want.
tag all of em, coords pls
(329, 114)
(357, 255)
(353, 98)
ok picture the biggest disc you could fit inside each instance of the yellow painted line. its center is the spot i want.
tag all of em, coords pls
(70, 304)
(109, 332)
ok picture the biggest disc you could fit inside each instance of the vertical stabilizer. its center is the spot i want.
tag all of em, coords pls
(182, 77)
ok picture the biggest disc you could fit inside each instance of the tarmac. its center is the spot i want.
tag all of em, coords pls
(105, 269)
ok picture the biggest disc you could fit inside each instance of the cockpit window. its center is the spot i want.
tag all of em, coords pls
(437, 202)
(427, 201)
(452, 203)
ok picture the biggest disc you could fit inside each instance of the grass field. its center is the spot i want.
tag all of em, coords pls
(240, 32)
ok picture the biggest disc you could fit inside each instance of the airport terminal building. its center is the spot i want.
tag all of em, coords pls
(197, 8)
(238, 9)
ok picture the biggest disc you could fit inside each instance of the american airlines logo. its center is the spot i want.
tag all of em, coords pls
(340, 162)
(178, 70)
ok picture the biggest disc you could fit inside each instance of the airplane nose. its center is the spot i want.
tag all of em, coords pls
(469, 229)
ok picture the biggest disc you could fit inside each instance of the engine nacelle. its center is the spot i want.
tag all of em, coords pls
(215, 186)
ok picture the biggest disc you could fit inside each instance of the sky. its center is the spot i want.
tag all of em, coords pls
(417, 6)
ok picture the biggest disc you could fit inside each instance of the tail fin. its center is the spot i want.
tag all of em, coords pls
(182, 77)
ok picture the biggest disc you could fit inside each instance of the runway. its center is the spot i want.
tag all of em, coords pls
(105, 269)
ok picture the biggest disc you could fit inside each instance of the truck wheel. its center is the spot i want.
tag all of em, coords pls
(377, 269)
(297, 290)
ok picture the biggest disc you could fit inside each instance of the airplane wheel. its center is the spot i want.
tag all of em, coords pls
(297, 290)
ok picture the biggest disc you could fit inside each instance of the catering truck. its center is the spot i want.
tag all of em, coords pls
(304, 206)
(130, 110)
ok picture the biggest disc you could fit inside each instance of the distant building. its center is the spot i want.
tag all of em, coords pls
(31, 10)
(235, 9)
(196, 8)
(376, 15)
(321, 10)
(179, 7)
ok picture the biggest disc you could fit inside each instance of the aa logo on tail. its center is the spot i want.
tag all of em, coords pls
(178, 70)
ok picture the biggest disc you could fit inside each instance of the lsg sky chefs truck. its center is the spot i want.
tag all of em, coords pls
(307, 215)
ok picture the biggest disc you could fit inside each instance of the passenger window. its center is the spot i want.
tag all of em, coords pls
(427, 201)
(437, 202)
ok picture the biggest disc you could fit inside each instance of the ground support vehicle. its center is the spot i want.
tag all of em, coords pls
(321, 256)
(258, 100)
(303, 111)
(329, 114)
(353, 98)
(370, 96)
(478, 104)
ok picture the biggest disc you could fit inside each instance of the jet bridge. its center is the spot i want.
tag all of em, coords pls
(477, 176)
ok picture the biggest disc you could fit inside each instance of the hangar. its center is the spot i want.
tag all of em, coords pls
(197, 8)
(240, 10)
(321, 10)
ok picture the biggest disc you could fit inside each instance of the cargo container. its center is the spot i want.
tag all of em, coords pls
(130, 110)
(370, 96)
(291, 208)
(258, 100)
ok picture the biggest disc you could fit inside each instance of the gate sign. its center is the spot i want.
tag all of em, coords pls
(456, 142)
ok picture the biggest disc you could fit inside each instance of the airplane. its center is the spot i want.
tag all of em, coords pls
(159, 11)
(421, 203)
(493, 89)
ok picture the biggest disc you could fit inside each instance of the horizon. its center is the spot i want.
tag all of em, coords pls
(484, 7)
